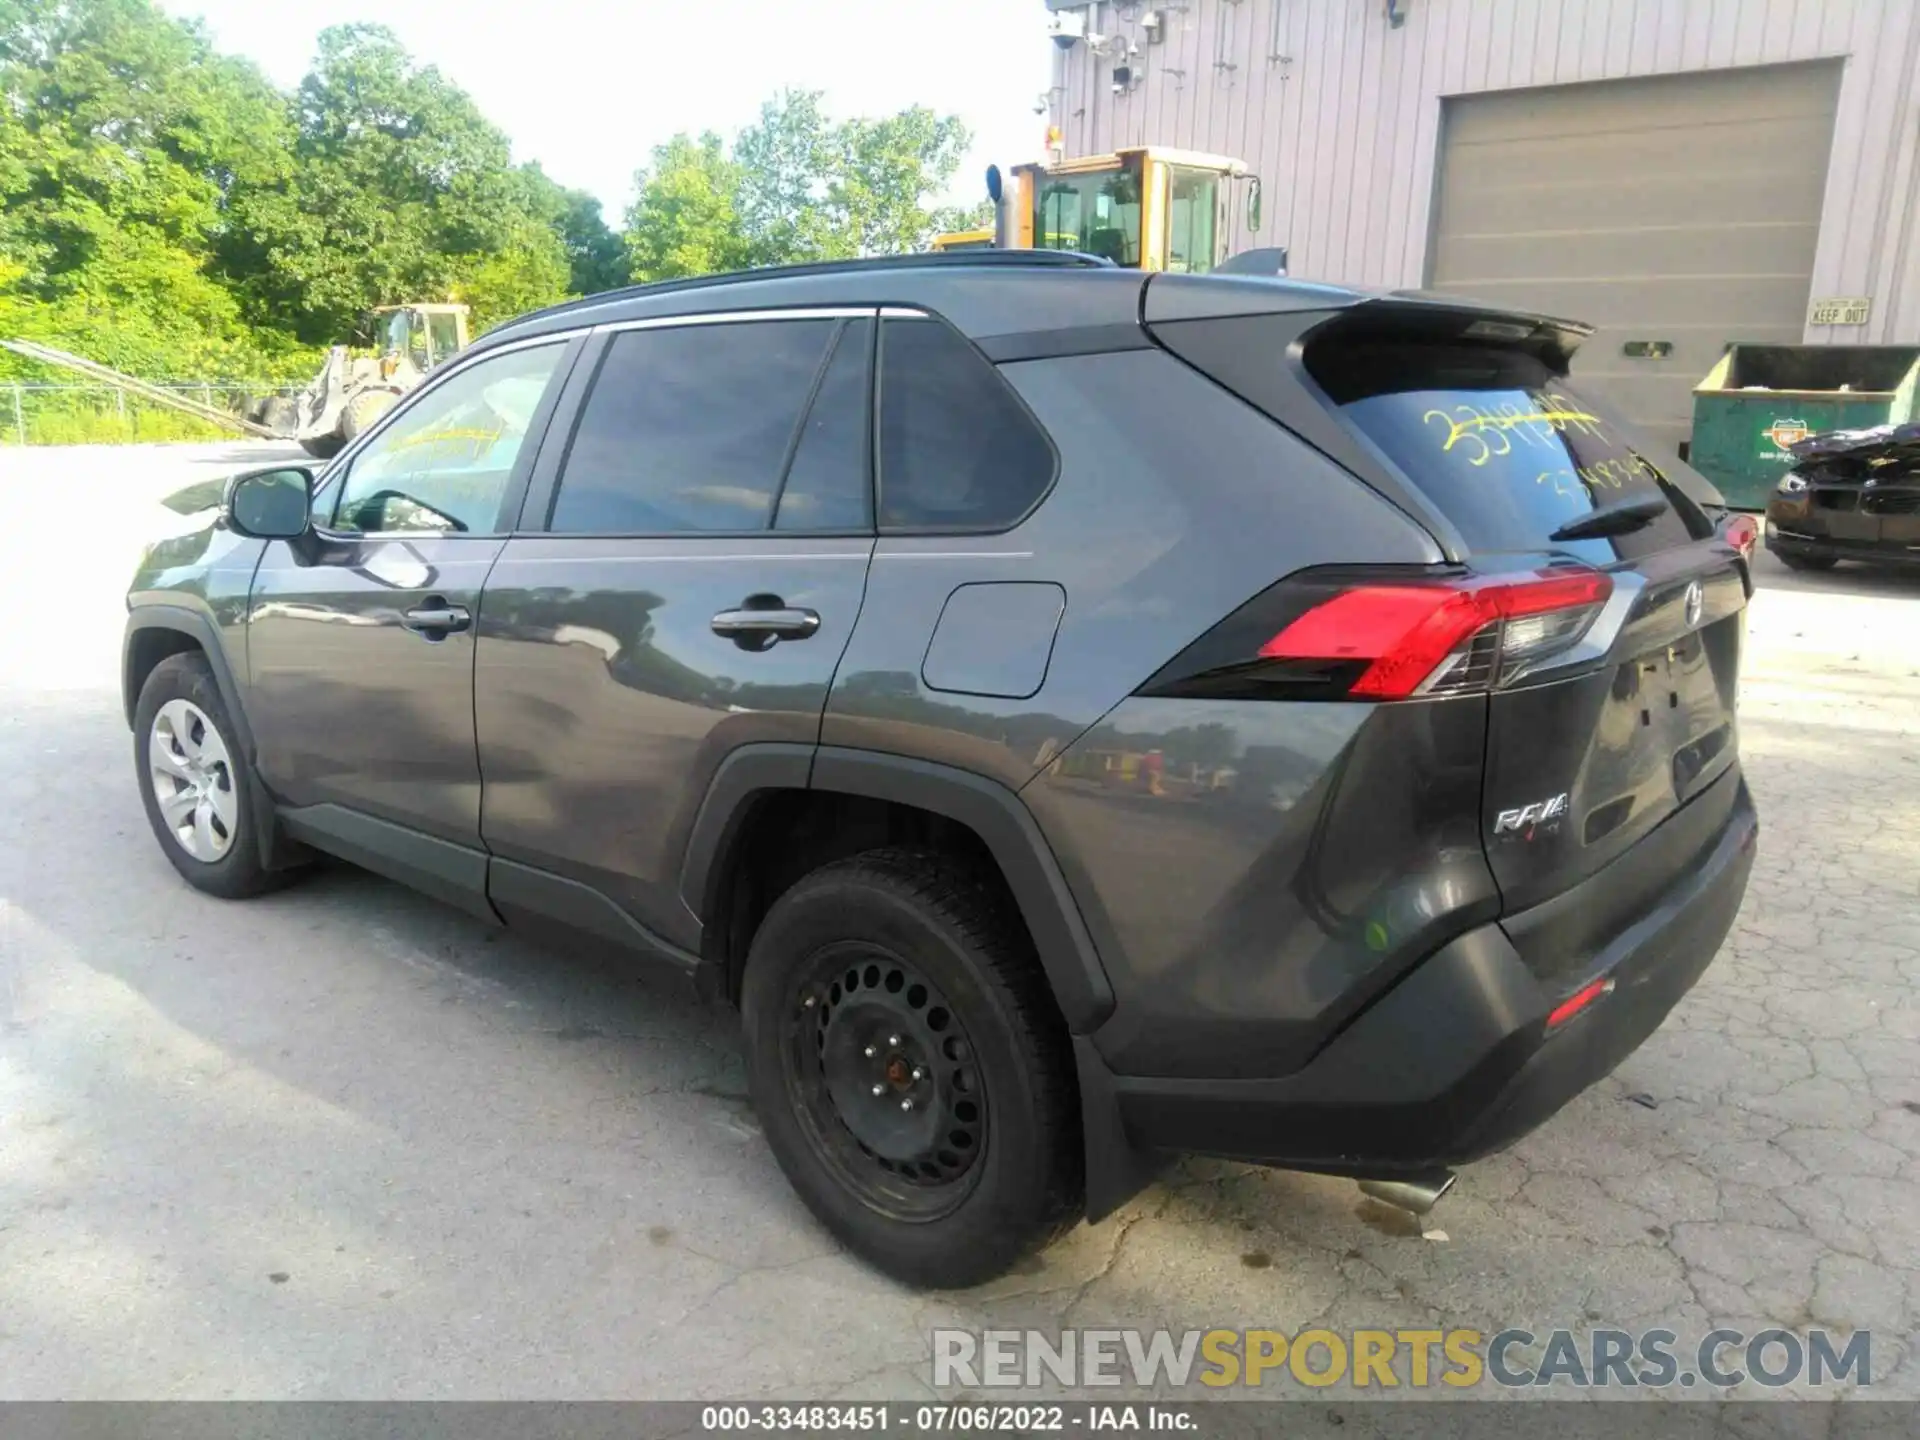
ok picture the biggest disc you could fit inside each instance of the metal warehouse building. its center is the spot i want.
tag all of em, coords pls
(1690, 172)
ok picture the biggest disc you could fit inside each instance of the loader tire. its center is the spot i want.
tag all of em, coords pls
(279, 414)
(323, 447)
(363, 410)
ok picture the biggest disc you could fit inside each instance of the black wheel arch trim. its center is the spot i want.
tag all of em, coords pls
(746, 772)
(201, 628)
(1003, 822)
(276, 850)
(993, 812)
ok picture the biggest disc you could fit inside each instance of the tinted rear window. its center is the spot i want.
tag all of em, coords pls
(688, 428)
(958, 451)
(1507, 448)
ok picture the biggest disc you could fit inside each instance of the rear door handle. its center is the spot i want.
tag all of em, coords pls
(436, 619)
(756, 627)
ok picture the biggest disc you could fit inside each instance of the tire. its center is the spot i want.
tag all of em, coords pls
(1807, 562)
(279, 414)
(181, 735)
(897, 951)
(323, 447)
(362, 411)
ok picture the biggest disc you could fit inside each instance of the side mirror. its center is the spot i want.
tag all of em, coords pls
(271, 504)
(1254, 194)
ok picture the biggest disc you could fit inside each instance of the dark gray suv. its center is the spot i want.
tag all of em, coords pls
(1076, 715)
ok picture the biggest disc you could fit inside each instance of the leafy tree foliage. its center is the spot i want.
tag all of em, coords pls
(400, 188)
(686, 219)
(795, 186)
(122, 138)
(166, 210)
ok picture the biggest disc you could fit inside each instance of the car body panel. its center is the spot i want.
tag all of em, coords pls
(1263, 869)
(200, 568)
(351, 707)
(604, 701)
(1146, 554)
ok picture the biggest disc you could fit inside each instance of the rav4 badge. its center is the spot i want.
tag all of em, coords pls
(1526, 817)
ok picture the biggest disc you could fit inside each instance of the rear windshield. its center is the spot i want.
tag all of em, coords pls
(1508, 449)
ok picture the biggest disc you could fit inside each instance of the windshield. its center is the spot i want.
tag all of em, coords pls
(1098, 213)
(1192, 214)
(1508, 449)
(397, 331)
(445, 335)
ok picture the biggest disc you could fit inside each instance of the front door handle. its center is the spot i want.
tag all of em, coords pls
(436, 619)
(764, 620)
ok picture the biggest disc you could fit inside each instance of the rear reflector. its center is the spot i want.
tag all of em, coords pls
(1578, 1001)
(1443, 638)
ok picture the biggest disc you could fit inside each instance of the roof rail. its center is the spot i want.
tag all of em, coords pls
(918, 260)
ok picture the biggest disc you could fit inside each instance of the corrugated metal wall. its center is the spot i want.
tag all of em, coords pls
(1339, 112)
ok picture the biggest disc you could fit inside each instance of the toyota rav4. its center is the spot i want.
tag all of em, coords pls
(1075, 715)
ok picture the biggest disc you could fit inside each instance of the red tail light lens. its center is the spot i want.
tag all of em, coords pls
(1578, 1001)
(1743, 533)
(1443, 638)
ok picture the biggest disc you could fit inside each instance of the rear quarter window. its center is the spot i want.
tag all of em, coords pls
(958, 449)
(1508, 448)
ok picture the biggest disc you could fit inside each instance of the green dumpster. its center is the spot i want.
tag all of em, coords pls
(1761, 398)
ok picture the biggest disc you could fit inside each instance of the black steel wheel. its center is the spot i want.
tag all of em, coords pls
(910, 1067)
(881, 1073)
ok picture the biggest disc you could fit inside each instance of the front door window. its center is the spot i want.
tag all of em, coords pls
(443, 463)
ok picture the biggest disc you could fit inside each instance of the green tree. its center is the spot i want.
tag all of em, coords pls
(123, 137)
(795, 186)
(883, 175)
(596, 253)
(401, 189)
(685, 219)
(784, 160)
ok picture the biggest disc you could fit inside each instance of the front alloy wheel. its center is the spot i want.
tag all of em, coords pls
(193, 780)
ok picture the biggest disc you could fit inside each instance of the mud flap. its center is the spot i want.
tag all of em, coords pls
(1117, 1169)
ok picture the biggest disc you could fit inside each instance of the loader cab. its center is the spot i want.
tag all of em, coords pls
(421, 335)
(1144, 209)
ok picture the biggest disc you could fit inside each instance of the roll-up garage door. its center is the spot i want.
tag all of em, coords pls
(1676, 213)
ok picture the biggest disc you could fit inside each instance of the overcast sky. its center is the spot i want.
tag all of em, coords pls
(588, 87)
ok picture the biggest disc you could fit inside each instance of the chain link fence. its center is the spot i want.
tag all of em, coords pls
(81, 414)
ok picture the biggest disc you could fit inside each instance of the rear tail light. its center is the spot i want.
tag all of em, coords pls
(1743, 534)
(1444, 639)
(1318, 636)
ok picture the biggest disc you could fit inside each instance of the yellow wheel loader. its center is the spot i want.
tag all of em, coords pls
(351, 392)
(1145, 208)
(338, 405)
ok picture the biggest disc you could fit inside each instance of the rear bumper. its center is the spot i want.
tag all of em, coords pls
(1456, 1062)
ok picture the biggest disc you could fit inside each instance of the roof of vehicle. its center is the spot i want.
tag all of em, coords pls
(998, 296)
(986, 293)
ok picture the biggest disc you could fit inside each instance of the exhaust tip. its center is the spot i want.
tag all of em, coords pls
(1416, 1195)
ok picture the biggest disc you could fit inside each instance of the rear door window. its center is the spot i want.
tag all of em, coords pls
(829, 484)
(958, 451)
(688, 429)
(1508, 449)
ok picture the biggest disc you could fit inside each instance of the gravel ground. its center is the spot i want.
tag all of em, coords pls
(346, 1143)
